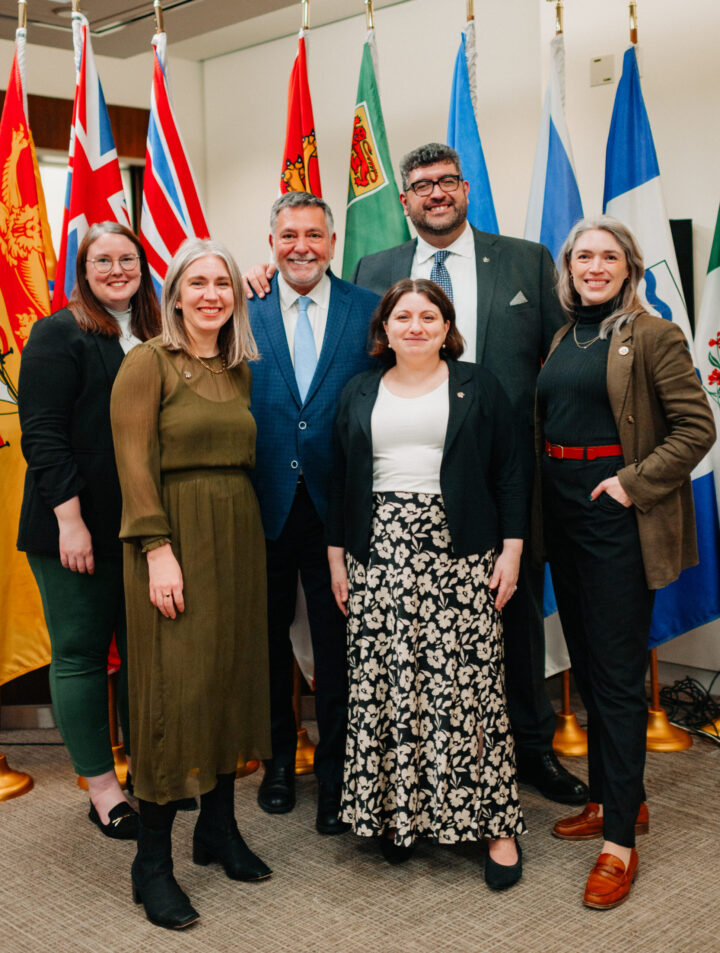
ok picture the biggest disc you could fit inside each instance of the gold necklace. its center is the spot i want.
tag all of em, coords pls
(223, 363)
(586, 344)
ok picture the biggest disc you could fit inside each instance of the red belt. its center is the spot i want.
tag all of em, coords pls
(582, 453)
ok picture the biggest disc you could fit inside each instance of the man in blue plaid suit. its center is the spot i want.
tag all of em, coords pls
(311, 330)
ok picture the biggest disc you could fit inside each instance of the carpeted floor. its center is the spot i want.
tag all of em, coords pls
(64, 888)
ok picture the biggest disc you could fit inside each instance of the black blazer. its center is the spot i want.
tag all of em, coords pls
(66, 376)
(483, 490)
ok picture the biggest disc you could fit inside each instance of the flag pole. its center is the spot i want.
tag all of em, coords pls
(22, 14)
(369, 15)
(76, 6)
(305, 4)
(559, 8)
(661, 735)
(633, 22)
(470, 10)
(159, 20)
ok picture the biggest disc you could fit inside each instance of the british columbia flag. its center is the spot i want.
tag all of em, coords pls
(94, 185)
(171, 208)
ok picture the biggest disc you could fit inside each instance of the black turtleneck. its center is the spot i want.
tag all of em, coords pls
(572, 385)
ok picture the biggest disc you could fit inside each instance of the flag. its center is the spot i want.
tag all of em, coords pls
(707, 345)
(633, 194)
(375, 219)
(300, 169)
(24, 297)
(94, 185)
(554, 205)
(463, 135)
(171, 208)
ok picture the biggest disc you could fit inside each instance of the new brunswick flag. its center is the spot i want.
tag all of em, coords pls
(375, 219)
(26, 255)
(300, 168)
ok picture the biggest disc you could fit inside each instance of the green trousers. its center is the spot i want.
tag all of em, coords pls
(82, 613)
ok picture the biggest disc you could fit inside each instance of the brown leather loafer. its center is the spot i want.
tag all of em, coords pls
(609, 882)
(589, 824)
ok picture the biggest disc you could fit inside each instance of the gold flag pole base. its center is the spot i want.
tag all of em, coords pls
(304, 753)
(121, 768)
(664, 737)
(244, 768)
(570, 739)
(712, 728)
(13, 783)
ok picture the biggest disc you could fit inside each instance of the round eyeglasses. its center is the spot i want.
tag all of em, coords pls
(104, 264)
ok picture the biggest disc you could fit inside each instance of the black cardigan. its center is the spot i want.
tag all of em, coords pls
(481, 481)
(66, 376)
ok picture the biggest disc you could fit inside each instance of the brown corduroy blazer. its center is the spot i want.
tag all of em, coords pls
(666, 427)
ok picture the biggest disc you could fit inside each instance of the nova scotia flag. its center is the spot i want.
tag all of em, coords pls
(633, 194)
(463, 136)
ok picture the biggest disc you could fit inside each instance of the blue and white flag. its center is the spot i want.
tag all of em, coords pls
(555, 203)
(463, 135)
(633, 194)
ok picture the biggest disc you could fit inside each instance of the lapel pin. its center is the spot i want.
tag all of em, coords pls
(460, 394)
(486, 260)
(623, 350)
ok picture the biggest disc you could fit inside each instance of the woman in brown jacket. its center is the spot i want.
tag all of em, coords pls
(622, 421)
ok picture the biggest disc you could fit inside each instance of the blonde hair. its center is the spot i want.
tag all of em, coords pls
(630, 305)
(235, 339)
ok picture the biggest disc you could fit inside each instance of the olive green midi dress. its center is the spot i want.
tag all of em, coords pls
(198, 684)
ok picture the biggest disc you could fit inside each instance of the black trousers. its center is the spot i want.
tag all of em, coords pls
(532, 716)
(301, 547)
(605, 609)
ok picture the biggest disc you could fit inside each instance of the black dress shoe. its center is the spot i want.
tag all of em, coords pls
(328, 810)
(277, 789)
(122, 823)
(502, 876)
(545, 773)
(395, 853)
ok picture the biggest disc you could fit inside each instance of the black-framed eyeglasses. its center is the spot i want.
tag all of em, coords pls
(448, 183)
(104, 264)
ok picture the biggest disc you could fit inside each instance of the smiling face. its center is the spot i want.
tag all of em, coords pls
(116, 289)
(206, 301)
(416, 329)
(303, 246)
(440, 215)
(598, 267)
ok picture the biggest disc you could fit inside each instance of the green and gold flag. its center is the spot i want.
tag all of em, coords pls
(375, 219)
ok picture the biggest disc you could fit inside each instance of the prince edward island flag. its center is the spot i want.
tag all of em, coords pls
(633, 194)
(375, 219)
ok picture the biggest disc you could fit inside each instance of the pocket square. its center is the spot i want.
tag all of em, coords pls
(518, 299)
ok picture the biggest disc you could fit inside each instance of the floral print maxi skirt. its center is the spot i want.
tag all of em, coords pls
(429, 751)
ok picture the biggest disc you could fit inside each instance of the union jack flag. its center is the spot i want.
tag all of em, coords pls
(94, 185)
(171, 208)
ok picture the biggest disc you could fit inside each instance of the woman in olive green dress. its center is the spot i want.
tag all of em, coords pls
(194, 573)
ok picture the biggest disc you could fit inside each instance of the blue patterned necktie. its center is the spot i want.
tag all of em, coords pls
(305, 353)
(440, 275)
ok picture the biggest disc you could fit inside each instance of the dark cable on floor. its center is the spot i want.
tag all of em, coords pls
(690, 705)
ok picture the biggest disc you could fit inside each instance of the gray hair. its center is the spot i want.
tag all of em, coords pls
(301, 200)
(630, 305)
(428, 154)
(235, 339)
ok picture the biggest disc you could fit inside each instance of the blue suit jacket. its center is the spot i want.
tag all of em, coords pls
(294, 436)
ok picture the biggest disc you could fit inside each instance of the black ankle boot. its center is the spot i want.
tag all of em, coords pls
(217, 836)
(153, 884)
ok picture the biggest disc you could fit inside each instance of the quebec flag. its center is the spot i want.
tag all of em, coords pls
(633, 194)
(464, 138)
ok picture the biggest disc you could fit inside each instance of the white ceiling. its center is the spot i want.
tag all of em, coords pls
(197, 29)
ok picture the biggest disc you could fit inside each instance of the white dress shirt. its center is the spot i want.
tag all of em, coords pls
(461, 267)
(127, 338)
(317, 311)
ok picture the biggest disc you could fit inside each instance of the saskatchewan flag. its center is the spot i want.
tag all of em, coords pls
(375, 219)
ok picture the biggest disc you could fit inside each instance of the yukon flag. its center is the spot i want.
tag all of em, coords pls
(94, 184)
(375, 219)
(463, 135)
(171, 208)
(26, 255)
(300, 169)
(633, 194)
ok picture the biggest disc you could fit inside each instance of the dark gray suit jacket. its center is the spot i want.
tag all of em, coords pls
(512, 339)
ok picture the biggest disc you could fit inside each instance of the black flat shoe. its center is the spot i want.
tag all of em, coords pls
(545, 773)
(502, 876)
(394, 853)
(277, 789)
(122, 824)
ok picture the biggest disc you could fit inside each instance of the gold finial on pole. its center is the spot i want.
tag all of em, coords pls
(369, 15)
(470, 10)
(305, 4)
(22, 14)
(559, 8)
(159, 21)
(633, 22)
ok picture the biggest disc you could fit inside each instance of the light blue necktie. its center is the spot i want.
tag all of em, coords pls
(440, 275)
(305, 353)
